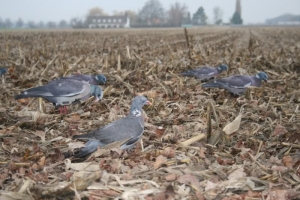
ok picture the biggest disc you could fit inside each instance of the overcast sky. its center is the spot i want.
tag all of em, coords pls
(253, 11)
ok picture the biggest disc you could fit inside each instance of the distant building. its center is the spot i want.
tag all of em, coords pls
(109, 21)
(286, 19)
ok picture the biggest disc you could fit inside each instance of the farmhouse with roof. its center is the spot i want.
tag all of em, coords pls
(98, 21)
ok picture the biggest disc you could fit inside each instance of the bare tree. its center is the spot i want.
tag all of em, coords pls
(31, 24)
(19, 23)
(152, 13)
(8, 23)
(218, 15)
(41, 24)
(1, 23)
(90, 16)
(96, 11)
(51, 24)
(176, 14)
(77, 23)
(63, 24)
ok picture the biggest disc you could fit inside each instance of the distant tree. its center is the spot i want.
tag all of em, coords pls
(19, 23)
(77, 23)
(152, 13)
(90, 16)
(2, 25)
(236, 19)
(40, 25)
(96, 11)
(218, 15)
(51, 24)
(176, 14)
(31, 24)
(200, 17)
(118, 13)
(8, 23)
(63, 24)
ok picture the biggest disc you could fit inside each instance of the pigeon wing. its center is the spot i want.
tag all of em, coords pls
(65, 87)
(82, 77)
(126, 128)
(239, 81)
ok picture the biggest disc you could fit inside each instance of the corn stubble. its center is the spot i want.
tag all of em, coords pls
(195, 155)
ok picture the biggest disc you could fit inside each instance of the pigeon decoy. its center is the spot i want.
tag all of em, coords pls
(130, 127)
(62, 92)
(237, 84)
(93, 80)
(205, 73)
(2, 71)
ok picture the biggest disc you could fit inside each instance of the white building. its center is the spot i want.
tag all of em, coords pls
(109, 21)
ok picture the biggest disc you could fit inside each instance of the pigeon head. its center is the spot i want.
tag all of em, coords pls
(138, 103)
(96, 91)
(262, 76)
(101, 79)
(223, 68)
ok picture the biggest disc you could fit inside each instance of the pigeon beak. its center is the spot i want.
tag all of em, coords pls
(96, 99)
(149, 103)
(266, 80)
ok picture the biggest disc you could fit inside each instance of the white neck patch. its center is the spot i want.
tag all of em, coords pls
(257, 76)
(136, 113)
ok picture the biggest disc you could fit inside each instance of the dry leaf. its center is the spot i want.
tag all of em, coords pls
(287, 161)
(159, 131)
(171, 177)
(233, 126)
(238, 173)
(160, 160)
(41, 134)
(73, 118)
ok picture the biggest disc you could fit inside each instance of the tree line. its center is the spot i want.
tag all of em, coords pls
(152, 14)
(7, 23)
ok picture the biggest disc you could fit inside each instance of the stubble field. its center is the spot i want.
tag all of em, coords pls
(185, 152)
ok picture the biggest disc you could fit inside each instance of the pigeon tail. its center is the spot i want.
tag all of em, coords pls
(90, 147)
(211, 85)
(188, 73)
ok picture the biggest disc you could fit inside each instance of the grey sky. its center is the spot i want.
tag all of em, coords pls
(253, 11)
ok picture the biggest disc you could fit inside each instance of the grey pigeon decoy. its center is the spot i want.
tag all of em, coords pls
(93, 80)
(237, 84)
(2, 71)
(205, 73)
(62, 92)
(130, 127)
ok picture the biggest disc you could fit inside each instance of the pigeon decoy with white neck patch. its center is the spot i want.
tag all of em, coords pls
(130, 127)
(237, 84)
(62, 92)
(205, 73)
